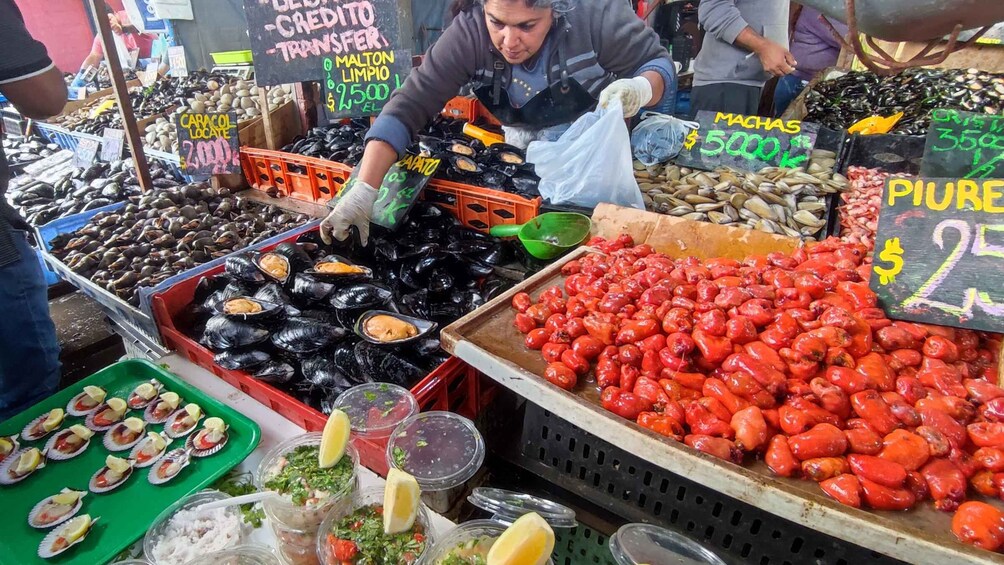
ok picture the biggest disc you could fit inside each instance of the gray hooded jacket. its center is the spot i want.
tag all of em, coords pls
(720, 60)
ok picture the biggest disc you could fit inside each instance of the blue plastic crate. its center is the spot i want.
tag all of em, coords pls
(51, 278)
(61, 136)
(46, 233)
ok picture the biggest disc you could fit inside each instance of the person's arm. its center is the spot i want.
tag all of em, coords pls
(626, 47)
(776, 60)
(722, 19)
(39, 96)
(28, 78)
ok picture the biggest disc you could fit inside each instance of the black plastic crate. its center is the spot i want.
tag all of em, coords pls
(893, 153)
(639, 491)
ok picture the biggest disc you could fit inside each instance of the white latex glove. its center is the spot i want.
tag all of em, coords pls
(632, 92)
(354, 209)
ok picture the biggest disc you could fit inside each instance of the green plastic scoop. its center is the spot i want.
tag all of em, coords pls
(548, 235)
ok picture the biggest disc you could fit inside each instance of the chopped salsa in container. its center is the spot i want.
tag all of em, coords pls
(359, 539)
(299, 476)
(470, 552)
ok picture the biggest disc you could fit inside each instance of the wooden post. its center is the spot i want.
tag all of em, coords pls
(266, 118)
(133, 137)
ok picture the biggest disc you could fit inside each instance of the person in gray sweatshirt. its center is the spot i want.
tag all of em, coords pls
(745, 43)
(537, 65)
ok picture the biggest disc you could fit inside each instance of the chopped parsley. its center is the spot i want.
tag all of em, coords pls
(370, 395)
(471, 552)
(399, 457)
(303, 479)
(237, 484)
(421, 443)
(364, 528)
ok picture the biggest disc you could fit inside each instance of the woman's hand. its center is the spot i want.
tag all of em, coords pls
(354, 209)
(633, 93)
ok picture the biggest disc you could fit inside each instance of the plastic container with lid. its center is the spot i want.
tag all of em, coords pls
(642, 544)
(157, 534)
(368, 497)
(241, 555)
(505, 507)
(375, 409)
(442, 450)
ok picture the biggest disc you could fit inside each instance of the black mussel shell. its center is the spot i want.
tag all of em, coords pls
(506, 154)
(495, 287)
(298, 257)
(441, 281)
(470, 246)
(408, 276)
(362, 295)
(325, 316)
(241, 360)
(497, 255)
(223, 333)
(308, 289)
(274, 293)
(426, 346)
(279, 260)
(207, 287)
(465, 166)
(525, 185)
(242, 268)
(275, 372)
(494, 179)
(473, 300)
(423, 327)
(446, 312)
(425, 265)
(416, 303)
(343, 278)
(426, 213)
(320, 371)
(269, 310)
(387, 364)
(303, 336)
(344, 357)
(212, 300)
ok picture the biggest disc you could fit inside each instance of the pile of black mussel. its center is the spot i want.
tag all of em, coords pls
(81, 190)
(21, 151)
(165, 232)
(841, 102)
(302, 337)
(466, 160)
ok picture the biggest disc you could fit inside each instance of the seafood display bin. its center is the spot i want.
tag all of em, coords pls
(126, 512)
(61, 136)
(63, 225)
(488, 341)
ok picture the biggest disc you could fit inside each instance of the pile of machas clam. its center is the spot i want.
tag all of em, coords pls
(21, 151)
(166, 232)
(788, 202)
(239, 96)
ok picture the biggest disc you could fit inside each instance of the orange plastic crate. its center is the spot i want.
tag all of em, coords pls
(296, 176)
(481, 208)
(462, 108)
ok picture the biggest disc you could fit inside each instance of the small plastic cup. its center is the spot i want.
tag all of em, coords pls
(241, 555)
(295, 526)
(375, 410)
(442, 450)
(155, 535)
(368, 497)
(487, 531)
(634, 544)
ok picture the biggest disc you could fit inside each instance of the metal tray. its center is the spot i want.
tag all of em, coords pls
(487, 340)
(127, 511)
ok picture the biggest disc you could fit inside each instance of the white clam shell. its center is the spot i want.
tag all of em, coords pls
(92, 484)
(111, 445)
(136, 449)
(168, 428)
(45, 548)
(180, 455)
(148, 413)
(52, 453)
(27, 436)
(6, 479)
(17, 445)
(72, 411)
(33, 515)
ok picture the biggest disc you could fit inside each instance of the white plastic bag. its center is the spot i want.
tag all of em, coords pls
(590, 163)
(659, 138)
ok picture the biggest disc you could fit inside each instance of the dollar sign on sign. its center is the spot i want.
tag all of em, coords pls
(892, 252)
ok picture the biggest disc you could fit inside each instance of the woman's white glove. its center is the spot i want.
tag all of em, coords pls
(353, 209)
(632, 92)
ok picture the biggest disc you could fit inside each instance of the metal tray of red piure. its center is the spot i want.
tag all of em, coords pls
(123, 513)
(488, 340)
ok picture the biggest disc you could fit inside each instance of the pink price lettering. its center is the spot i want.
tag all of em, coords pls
(340, 28)
(214, 157)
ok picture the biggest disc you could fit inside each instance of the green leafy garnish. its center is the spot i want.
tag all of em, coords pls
(364, 527)
(370, 395)
(302, 478)
(421, 443)
(399, 457)
(238, 484)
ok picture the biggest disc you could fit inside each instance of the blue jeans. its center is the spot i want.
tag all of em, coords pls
(788, 88)
(29, 349)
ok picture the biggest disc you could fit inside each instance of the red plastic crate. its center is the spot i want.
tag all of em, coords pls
(481, 208)
(296, 176)
(454, 386)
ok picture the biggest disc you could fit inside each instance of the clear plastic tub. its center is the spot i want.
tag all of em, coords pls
(295, 526)
(156, 534)
(242, 555)
(485, 530)
(442, 450)
(636, 544)
(369, 497)
(375, 410)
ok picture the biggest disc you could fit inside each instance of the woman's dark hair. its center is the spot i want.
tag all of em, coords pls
(559, 6)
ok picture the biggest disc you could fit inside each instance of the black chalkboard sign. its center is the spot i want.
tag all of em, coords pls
(111, 144)
(289, 38)
(747, 143)
(939, 252)
(85, 152)
(401, 188)
(208, 143)
(964, 145)
(359, 84)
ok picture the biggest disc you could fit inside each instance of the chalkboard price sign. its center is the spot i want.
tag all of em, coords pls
(400, 189)
(208, 143)
(289, 38)
(111, 144)
(360, 84)
(939, 252)
(85, 152)
(964, 145)
(747, 143)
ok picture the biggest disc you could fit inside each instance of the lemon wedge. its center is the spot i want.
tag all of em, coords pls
(146, 391)
(134, 424)
(6, 446)
(334, 439)
(53, 420)
(81, 431)
(76, 528)
(96, 393)
(120, 466)
(193, 411)
(400, 502)
(28, 461)
(156, 441)
(171, 399)
(68, 498)
(117, 405)
(215, 424)
(528, 541)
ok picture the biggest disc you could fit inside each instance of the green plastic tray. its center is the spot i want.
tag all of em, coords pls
(231, 57)
(128, 511)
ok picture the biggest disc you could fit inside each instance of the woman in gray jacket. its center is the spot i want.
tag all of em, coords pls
(536, 64)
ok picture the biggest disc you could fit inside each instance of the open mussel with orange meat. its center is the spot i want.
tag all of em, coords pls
(339, 270)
